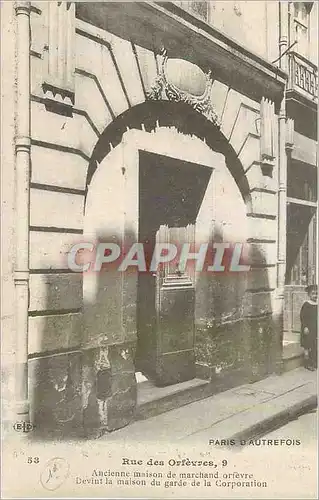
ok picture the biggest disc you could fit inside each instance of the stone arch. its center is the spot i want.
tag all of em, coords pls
(107, 353)
(151, 114)
(217, 215)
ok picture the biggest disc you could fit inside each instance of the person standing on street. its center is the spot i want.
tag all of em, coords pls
(309, 326)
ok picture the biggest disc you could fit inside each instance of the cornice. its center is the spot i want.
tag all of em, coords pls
(157, 25)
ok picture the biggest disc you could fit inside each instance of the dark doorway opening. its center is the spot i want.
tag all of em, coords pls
(170, 195)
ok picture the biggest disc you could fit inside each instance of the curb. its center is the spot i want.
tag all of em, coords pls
(276, 421)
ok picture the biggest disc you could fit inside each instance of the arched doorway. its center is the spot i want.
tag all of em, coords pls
(144, 185)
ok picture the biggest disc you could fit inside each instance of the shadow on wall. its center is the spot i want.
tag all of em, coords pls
(235, 337)
(54, 374)
(93, 388)
(85, 378)
(82, 377)
(109, 343)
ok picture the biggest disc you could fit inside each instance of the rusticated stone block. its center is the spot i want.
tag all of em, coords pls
(121, 357)
(218, 96)
(263, 342)
(129, 70)
(103, 384)
(147, 66)
(55, 383)
(261, 254)
(55, 291)
(54, 332)
(43, 209)
(74, 132)
(262, 278)
(58, 168)
(129, 308)
(49, 250)
(109, 388)
(245, 124)
(264, 203)
(256, 179)
(222, 347)
(121, 407)
(262, 229)
(250, 151)
(121, 381)
(231, 108)
(257, 303)
(247, 347)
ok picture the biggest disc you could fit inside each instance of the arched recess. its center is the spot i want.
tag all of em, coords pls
(151, 114)
(110, 301)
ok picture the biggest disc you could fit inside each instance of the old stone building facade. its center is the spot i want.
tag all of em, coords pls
(134, 121)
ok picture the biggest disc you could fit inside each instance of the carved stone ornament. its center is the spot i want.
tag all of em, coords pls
(181, 81)
(59, 55)
(267, 136)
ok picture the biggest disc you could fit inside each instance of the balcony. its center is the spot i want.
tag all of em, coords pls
(303, 77)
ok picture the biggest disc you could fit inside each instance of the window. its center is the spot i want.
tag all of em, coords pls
(301, 11)
(302, 182)
(200, 9)
(301, 245)
(301, 224)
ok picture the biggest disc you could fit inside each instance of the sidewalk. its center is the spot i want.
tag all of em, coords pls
(244, 412)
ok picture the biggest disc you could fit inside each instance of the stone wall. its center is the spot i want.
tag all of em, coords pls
(112, 77)
(239, 20)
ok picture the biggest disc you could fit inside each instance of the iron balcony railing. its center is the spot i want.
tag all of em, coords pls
(303, 76)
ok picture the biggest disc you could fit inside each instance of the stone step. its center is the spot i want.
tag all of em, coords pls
(293, 356)
(152, 400)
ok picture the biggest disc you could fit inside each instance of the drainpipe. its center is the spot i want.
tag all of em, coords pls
(283, 34)
(282, 199)
(282, 173)
(22, 158)
(282, 166)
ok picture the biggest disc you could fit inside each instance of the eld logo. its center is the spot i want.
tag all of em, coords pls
(23, 427)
